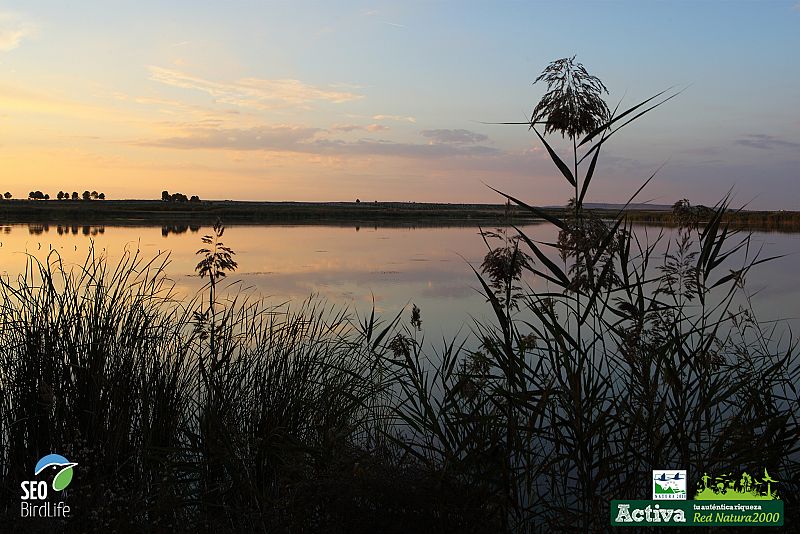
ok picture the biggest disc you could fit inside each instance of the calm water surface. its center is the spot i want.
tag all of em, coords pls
(349, 265)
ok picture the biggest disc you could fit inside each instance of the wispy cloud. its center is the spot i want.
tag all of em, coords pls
(257, 93)
(269, 138)
(13, 29)
(381, 147)
(347, 128)
(455, 137)
(765, 142)
(399, 118)
(796, 7)
(309, 141)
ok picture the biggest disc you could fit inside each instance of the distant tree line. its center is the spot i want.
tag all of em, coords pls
(87, 195)
(178, 197)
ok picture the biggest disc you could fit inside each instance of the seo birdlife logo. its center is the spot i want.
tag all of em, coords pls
(35, 492)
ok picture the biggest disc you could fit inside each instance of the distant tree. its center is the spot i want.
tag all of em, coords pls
(60, 195)
(358, 201)
(46, 196)
(101, 196)
(194, 198)
(94, 195)
(87, 195)
(165, 196)
(75, 195)
(179, 197)
(7, 195)
(32, 195)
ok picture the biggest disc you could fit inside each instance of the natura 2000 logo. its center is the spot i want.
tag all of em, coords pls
(56, 470)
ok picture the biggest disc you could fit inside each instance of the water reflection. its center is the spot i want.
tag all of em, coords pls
(353, 265)
(39, 229)
(178, 229)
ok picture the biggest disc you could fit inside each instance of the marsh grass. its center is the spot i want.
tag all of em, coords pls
(281, 425)
(94, 364)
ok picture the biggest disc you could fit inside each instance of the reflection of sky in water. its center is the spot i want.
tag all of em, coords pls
(427, 266)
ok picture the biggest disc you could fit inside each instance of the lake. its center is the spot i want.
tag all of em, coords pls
(349, 265)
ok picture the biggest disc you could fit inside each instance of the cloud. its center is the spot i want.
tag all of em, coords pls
(273, 138)
(399, 118)
(306, 140)
(796, 7)
(12, 31)
(10, 39)
(347, 128)
(455, 137)
(381, 147)
(258, 93)
(765, 142)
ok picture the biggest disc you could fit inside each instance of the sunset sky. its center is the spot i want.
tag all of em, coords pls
(384, 100)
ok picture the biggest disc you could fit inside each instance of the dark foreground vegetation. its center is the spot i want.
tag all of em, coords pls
(223, 414)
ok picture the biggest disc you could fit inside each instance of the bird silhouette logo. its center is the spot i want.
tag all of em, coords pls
(664, 477)
(58, 466)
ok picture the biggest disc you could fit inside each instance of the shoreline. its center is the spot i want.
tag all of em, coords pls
(157, 212)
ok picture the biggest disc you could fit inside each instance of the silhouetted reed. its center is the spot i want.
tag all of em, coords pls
(630, 361)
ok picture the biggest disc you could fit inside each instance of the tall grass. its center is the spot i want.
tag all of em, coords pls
(285, 430)
(95, 364)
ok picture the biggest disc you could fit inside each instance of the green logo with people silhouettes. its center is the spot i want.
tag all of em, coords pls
(727, 488)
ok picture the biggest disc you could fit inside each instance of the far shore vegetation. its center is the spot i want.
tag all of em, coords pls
(178, 208)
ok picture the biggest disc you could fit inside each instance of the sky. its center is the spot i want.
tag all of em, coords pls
(387, 101)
